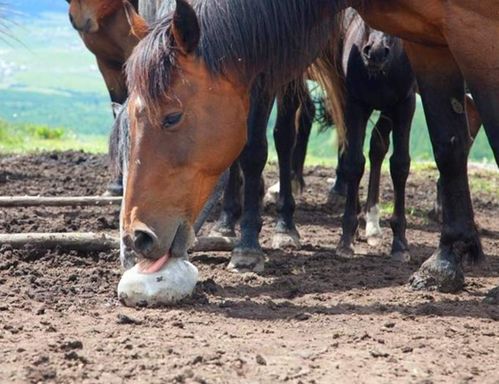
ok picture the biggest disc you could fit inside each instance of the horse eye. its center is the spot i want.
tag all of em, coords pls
(172, 119)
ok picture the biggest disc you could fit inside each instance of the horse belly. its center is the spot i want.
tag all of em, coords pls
(418, 21)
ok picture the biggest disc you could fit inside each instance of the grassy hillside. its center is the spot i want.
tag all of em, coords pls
(48, 78)
(21, 138)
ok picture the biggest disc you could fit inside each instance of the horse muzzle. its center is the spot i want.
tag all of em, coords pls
(151, 249)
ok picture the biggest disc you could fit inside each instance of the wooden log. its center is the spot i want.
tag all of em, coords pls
(214, 244)
(100, 241)
(58, 201)
(71, 240)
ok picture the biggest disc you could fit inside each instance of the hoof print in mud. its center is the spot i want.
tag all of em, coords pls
(439, 274)
(246, 260)
(171, 284)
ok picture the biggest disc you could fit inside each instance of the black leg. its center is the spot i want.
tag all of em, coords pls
(380, 142)
(288, 103)
(486, 97)
(442, 91)
(400, 163)
(356, 117)
(120, 125)
(305, 118)
(248, 254)
(340, 187)
(231, 205)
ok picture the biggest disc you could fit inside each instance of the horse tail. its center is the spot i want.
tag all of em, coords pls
(322, 115)
(328, 73)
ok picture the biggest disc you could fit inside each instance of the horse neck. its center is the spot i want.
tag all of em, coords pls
(123, 32)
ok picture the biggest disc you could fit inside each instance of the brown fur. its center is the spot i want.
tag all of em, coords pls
(115, 30)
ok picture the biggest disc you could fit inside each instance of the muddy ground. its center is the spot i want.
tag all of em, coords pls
(311, 317)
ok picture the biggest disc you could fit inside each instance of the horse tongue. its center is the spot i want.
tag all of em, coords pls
(148, 266)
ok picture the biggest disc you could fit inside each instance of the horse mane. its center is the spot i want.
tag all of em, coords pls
(256, 40)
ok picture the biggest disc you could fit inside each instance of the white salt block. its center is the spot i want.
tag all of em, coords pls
(174, 282)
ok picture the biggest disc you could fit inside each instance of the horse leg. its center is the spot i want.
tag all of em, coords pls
(248, 254)
(305, 118)
(338, 191)
(442, 92)
(474, 124)
(479, 63)
(231, 205)
(400, 162)
(380, 142)
(356, 117)
(286, 235)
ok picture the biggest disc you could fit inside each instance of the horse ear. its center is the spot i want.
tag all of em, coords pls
(185, 29)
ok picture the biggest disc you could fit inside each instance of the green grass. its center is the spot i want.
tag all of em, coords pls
(49, 78)
(28, 138)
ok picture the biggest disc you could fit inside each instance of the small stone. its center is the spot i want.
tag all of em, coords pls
(260, 360)
(124, 319)
(40, 311)
(198, 359)
(70, 345)
(377, 354)
(407, 349)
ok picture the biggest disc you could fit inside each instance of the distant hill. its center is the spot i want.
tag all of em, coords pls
(35, 7)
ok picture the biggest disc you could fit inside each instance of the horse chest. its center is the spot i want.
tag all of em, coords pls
(381, 91)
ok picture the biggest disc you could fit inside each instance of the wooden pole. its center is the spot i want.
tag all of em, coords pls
(71, 240)
(100, 241)
(37, 201)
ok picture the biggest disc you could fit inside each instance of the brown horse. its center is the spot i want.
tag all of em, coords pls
(110, 30)
(190, 94)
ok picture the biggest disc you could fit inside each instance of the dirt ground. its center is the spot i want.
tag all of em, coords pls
(311, 317)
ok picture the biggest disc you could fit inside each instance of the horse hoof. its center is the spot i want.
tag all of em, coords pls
(286, 240)
(246, 260)
(492, 297)
(374, 241)
(222, 231)
(113, 193)
(345, 252)
(114, 189)
(439, 273)
(401, 256)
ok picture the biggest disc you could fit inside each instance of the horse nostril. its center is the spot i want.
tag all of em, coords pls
(366, 51)
(143, 242)
(71, 20)
(387, 51)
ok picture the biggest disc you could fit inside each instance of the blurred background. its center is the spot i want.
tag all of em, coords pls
(52, 95)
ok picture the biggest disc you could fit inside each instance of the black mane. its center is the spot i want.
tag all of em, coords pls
(272, 41)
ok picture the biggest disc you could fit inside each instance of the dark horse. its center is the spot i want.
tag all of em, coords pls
(378, 76)
(190, 95)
